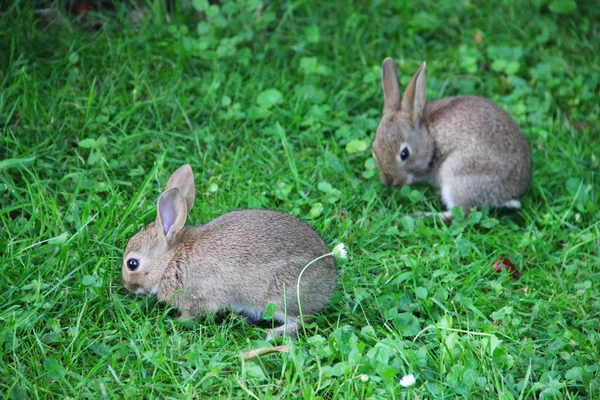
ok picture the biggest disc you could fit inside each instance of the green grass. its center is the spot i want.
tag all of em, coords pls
(275, 106)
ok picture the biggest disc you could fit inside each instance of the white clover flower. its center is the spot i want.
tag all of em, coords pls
(340, 251)
(408, 380)
(364, 377)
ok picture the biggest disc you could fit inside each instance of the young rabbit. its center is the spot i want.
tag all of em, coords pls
(466, 145)
(242, 260)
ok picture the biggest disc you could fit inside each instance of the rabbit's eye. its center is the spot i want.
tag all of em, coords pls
(133, 264)
(404, 154)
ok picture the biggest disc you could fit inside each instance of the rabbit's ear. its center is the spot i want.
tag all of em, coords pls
(183, 179)
(413, 101)
(391, 87)
(171, 214)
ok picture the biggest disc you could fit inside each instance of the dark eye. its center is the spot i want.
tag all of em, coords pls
(133, 264)
(404, 154)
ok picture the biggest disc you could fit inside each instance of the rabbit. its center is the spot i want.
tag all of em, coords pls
(466, 145)
(242, 260)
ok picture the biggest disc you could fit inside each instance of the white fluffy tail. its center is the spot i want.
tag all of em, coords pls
(512, 204)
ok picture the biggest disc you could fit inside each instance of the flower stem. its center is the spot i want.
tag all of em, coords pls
(298, 285)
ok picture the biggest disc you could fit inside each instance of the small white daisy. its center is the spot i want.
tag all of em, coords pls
(340, 251)
(408, 380)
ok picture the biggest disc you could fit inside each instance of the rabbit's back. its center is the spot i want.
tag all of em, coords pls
(465, 122)
(256, 235)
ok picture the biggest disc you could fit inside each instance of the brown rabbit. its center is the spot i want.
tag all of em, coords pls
(242, 260)
(466, 145)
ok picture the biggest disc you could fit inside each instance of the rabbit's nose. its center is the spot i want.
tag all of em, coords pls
(392, 180)
(386, 179)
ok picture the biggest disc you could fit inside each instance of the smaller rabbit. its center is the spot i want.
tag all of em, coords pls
(466, 145)
(242, 260)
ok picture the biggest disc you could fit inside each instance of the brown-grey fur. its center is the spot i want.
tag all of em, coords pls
(466, 145)
(241, 260)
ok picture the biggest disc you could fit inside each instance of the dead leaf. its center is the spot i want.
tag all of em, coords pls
(255, 353)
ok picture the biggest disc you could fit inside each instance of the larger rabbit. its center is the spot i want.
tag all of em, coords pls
(467, 146)
(242, 260)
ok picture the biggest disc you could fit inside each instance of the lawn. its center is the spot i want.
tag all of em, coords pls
(275, 105)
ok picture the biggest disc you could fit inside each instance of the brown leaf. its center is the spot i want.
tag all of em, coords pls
(504, 264)
(478, 38)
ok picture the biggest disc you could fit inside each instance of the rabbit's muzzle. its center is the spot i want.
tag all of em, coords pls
(132, 287)
(391, 180)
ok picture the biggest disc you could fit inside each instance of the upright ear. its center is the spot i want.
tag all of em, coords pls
(171, 214)
(391, 87)
(413, 101)
(183, 179)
